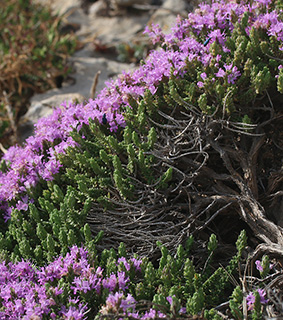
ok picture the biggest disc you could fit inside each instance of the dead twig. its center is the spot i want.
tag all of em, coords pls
(94, 84)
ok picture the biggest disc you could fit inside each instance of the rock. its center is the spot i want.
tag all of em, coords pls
(85, 70)
(164, 19)
(176, 6)
(117, 29)
(166, 15)
(62, 7)
(98, 8)
(129, 3)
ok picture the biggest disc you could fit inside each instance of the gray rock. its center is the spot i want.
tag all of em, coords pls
(97, 8)
(166, 15)
(117, 29)
(129, 3)
(61, 7)
(164, 19)
(176, 6)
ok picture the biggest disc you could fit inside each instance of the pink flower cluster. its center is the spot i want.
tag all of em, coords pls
(27, 292)
(57, 290)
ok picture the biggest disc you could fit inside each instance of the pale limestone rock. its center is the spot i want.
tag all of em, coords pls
(177, 6)
(97, 8)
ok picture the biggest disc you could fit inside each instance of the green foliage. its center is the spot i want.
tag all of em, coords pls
(40, 236)
(257, 309)
(178, 277)
(166, 177)
(265, 263)
(280, 81)
(236, 302)
(212, 244)
(47, 228)
(219, 281)
(195, 303)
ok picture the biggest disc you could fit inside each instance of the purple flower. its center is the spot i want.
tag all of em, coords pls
(38, 158)
(27, 292)
(262, 295)
(221, 73)
(161, 315)
(155, 33)
(74, 312)
(149, 314)
(113, 302)
(152, 314)
(217, 35)
(114, 299)
(110, 282)
(122, 281)
(50, 169)
(264, 2)
(200, 84)
(258, 266)
(136, 263)
(134, 315)
(233, 73)
(251, 298)
(128, 303)
(23, 204)
(23, 269)
(183, 310)
(170, 300)
(124, 261)
(80, 285)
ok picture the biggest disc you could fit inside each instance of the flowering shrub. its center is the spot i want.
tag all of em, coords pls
(83, 285)
(159, 154)
(242, 56)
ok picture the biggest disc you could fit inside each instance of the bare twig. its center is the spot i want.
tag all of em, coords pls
(94, 84)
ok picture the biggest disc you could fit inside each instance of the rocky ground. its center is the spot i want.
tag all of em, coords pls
(101, 27)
